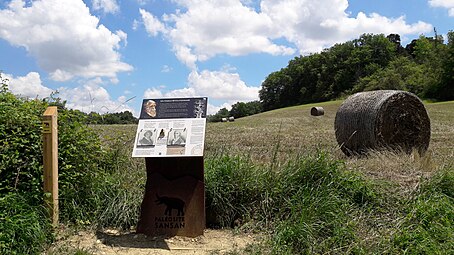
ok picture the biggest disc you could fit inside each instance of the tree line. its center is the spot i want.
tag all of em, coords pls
(425, 67)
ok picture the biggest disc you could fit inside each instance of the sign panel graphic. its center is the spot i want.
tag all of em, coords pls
(171, 127)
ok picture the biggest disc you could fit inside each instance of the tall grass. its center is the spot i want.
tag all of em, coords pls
(24, 228)
(305, 205)
(109, 196)
(428, 225)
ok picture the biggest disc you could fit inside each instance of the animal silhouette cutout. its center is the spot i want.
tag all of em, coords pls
(171, 203)
(161, 134)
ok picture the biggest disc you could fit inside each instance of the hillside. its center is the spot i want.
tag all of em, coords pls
(293, 130)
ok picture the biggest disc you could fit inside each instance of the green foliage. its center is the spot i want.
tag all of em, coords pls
(24, 228)
(305, 203)
(233, 189)
(241, 109)
(20, 145)
(89, 174)
(424, 67)
(400, 74)
(444, 89)
(222, 113)
(326, 75)
(124, 117)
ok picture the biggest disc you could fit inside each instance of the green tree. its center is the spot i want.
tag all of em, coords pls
(222, 113)
(429, 53)
(444, 90)
(329, 74)
(241, 109)
(401, 74)
(272, 94)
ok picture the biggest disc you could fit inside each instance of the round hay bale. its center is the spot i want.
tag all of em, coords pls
(224, 119)
(231, 118)
(382, 119)
(317, 111)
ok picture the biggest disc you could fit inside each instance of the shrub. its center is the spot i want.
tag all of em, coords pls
(20, 146)
(87, 176)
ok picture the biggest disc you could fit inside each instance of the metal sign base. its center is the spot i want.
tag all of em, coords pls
(174, 199)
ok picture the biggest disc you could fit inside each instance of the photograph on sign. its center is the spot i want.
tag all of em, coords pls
(171, 127)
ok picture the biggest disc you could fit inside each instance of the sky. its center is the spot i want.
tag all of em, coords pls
(109, 55)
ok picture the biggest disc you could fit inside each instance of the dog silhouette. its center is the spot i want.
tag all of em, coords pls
(171, 203)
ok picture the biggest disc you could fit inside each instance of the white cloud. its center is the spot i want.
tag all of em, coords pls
(152, 24)
(216, 85)
(166, 69)
(201, 30)
(222, 85)
(29, 85)
(107, 6)
(64, 38)
(153, 93)
(315, 25)
(211, 109)
(448, 4)
(92, 96)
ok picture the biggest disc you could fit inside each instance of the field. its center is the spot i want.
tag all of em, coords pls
(282, 174)
(285, 133)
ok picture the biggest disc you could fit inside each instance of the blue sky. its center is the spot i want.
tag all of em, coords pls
(107, 55)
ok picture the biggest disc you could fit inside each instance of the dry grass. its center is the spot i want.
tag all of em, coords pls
(284, 133)
(287, 131)
(292, 131)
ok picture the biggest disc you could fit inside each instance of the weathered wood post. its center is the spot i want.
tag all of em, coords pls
(50, 161)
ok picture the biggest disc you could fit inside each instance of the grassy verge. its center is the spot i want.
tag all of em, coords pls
(24, 229)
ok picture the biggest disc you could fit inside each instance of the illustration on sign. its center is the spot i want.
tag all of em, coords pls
(169, 221)
(171, 127)
(47, 127)
(171, 203)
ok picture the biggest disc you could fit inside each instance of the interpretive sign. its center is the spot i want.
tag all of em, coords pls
(173, 127)
(170, 136)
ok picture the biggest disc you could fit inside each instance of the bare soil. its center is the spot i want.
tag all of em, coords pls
(112, 241)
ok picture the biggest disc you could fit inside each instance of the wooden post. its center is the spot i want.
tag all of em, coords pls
(50, 161)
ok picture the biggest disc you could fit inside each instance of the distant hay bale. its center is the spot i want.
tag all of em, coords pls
(382, 119)
(231, 118)
(224, 119)
(317, 111)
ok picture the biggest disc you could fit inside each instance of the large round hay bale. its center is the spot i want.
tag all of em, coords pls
(317, 111)
(382, 119)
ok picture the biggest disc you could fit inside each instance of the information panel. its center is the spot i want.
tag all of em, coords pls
(171, 127)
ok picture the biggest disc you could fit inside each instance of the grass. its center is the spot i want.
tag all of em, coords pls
(282, 173)
(24, 228)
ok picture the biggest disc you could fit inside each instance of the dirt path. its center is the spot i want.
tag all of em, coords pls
(113, 242)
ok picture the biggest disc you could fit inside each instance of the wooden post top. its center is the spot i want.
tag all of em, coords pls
(51, 111)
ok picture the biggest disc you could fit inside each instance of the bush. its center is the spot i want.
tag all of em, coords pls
(90, 182)
(20, 146)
